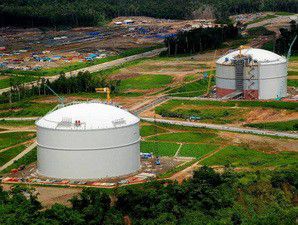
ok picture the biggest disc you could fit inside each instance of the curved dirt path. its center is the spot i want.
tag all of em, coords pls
(187, 172)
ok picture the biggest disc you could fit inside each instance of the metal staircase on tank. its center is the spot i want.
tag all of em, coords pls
(251, 82)
(239, 69)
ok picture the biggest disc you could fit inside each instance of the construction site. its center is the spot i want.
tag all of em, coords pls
(35, 49)
(234, 106)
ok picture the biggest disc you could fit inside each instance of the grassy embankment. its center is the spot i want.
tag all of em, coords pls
(25, 108)
(16, 123)
(192, 89)
(217, 111)
(10, 154)
(27, 159)
(291, 125)
(244, 157)
(145, 82)
(5, 80)
(13, 138)
(198, 143)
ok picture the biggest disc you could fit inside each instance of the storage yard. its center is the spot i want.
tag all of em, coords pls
(235, 107)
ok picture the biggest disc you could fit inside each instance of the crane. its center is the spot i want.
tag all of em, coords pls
(241, 48)
(105, 90)
(60, 99)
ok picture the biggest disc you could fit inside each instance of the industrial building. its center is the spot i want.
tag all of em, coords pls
(88, 141)
(252, 74)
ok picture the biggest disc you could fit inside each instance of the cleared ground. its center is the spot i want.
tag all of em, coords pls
(231, 112)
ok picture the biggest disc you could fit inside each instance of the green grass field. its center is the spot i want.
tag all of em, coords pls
(242, 156)
(220, 115)
(25, 109)
(294, 58)
(293, 73)
(13, 138)
(5, 83)
(213, 111)
(186, 137)
(10, 154)
(27, 159)
(16, 123)
(148, 130)
(268, 46)
(145, 82)
(116, 69)
(159, 148)
(192, 89)
(293, 83)
(291, 125)
(197, 151)
(191, 77)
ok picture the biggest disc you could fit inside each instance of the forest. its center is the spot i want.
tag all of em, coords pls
(84, 82)
(72, 13)
(199, 40)
(283, 43)
(264, 198)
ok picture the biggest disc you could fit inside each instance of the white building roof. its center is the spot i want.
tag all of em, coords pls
(89, 116)
(260, 55)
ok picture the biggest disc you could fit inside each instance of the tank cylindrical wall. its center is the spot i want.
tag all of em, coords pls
(270, 80)
(273, 81)
(88, 154)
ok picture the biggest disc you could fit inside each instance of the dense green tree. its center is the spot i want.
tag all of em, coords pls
(199, 40)
(83, 82)
(64, 215)
(93, 12)
(208, 198)
(93, 204)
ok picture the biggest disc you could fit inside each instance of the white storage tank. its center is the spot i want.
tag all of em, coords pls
(88, 141)
(256, 73)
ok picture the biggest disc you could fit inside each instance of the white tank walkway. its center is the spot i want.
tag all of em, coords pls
(222, 127)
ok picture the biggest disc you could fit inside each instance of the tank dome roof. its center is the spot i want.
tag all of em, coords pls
(87, 116)
(260, 55)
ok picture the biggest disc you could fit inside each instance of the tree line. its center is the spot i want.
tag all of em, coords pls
(199, 40)
(283, 43)
(34, 13)
(83, 82)
(265, 198)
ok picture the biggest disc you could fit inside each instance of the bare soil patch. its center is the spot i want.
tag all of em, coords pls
(260, 115)
(261, 143)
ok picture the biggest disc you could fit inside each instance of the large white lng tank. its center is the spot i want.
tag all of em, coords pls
(255, 73)
(88, 141)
